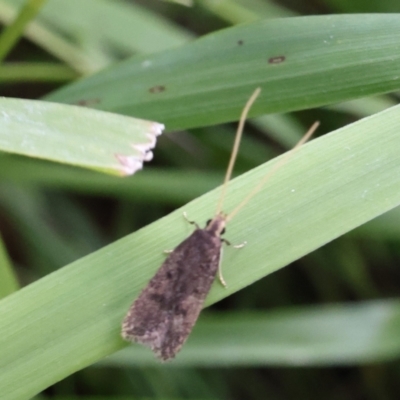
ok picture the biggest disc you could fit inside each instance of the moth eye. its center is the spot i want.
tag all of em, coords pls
(223, 231)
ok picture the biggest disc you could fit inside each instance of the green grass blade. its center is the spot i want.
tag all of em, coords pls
(8, 279)
(14, 31)
(70, 30)
(126, 27)
(76, 135)
(45, 244)
(152, 185)
(329, 187)
(283, 128)
(327, 59)
(341, 334)
(386, 227)
(237, 12)
(53, 42)
(364, 107)
(35, 72)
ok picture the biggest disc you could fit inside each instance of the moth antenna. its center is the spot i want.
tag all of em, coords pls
(278, 165)
(235, 149)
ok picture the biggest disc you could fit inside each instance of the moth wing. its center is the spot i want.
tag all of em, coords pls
(164, 314)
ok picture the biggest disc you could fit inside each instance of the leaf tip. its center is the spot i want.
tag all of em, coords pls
(132, 163)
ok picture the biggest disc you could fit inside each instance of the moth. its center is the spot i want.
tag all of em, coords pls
(165, 312)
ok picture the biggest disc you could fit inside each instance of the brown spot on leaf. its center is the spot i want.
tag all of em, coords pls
(240, 42)
(276, 60)
(157, 89)
(88, 102)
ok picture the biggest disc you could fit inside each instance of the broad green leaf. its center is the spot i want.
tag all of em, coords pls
(330, 186)
(76, 135)
(327, 335)
(299, 63)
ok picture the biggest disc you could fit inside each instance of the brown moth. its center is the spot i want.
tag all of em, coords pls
(164, 314)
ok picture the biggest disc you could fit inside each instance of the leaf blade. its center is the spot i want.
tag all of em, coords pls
(76, 135)
(323, 60)
(329, 187)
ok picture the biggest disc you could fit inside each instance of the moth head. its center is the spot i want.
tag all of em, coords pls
(217, 224)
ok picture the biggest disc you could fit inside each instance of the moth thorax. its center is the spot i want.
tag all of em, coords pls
(217, 224)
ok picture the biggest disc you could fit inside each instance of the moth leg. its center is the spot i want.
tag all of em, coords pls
(190, 222)
(236, 246)
(220, 277)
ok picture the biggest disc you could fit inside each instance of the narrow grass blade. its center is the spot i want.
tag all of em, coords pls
(340, 334)
(154, 185)
(14, 31)
(330, 186)
(8, 280)
(76, 135)
(70, 30)
(298, 62)
(35, 72)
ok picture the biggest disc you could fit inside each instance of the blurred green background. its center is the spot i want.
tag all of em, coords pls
(328, 326)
